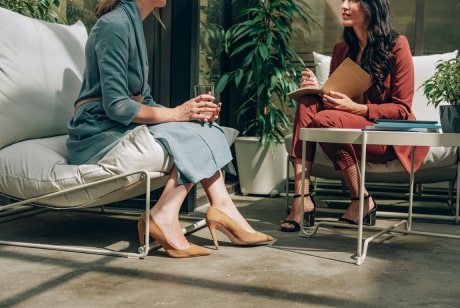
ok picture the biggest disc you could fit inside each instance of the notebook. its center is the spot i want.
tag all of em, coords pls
(405, 125)
(349, 78)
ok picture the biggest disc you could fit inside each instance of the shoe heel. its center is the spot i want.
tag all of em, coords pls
(371, 218)
(309, 219)
(212, 230)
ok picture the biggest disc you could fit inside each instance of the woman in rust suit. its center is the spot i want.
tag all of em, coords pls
(370, 41)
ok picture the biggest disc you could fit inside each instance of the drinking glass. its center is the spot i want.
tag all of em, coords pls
(204, 89)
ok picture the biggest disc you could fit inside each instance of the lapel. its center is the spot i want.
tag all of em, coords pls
(132, 10)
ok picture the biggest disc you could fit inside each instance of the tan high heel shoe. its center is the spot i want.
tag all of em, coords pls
(157, 234)
(216, 219)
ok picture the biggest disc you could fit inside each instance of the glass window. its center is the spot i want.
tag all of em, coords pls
(322, 36)
(211, 40)
(441, 26)
(439, 31)
(403, 17)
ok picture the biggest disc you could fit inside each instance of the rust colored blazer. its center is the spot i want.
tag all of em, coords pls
(396, 100)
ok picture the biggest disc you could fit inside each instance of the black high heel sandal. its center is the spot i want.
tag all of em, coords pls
(368, 220)
(311, 190)
(308, 217)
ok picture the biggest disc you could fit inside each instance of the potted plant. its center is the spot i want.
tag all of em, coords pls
(39, 9)
(267, 70)
(443, 90)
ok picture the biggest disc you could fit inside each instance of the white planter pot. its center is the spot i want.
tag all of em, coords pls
(260, 172)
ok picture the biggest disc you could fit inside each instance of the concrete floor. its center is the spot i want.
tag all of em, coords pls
(292, 271)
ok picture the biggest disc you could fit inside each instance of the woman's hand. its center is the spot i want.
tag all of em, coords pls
(200, 108)
(308, 79)
(339, 101)
(214, 115)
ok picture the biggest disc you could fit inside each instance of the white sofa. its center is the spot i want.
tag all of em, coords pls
(439, 165)
(41, 68)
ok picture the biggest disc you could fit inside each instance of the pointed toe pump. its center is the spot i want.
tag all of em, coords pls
(157, 234)
(216, 219)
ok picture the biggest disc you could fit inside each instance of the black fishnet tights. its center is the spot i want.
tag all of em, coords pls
(351, 174)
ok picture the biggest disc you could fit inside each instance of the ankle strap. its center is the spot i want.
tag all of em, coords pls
(299, 195)
(365, 197)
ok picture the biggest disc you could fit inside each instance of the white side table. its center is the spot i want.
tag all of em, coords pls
(365, 137)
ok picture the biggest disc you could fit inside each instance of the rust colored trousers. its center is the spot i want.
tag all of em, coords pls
(311, 113)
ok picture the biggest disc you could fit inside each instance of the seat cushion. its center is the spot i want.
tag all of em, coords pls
(41, 68)
(37, 167)
(137, 150)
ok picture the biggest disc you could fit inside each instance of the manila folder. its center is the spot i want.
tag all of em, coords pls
(348, 78)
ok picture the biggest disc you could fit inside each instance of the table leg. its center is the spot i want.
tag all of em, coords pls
(359, 249)
(302, 192)
(362, 246)
(411, 188)
(457, 195)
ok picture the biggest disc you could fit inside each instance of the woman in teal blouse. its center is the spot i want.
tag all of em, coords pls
(115, 98)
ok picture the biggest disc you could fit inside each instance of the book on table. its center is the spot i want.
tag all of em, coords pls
(349, 78)
(405, 125)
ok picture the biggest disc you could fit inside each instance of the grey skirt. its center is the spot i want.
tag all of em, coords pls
(198, 150)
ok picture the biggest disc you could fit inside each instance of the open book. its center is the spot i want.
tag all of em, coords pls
(349, 78)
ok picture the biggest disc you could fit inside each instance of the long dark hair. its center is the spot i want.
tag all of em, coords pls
(378, 58)
(105, 6)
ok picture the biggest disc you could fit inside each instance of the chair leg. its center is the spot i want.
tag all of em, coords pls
(288, 160)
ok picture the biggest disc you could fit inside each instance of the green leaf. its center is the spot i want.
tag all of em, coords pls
(264, 51)
(444, 85)
(221, 83)
(239, 76)
(266, 67)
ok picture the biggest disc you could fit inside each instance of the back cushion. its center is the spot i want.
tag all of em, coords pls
(424, 67)
(41, 68)
(322, 64)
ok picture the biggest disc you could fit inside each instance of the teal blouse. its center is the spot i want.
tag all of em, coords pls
(117, 68)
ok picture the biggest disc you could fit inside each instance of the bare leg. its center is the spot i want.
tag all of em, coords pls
(352, 177)
(165, 213)
(296, 212)
(220, 199)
